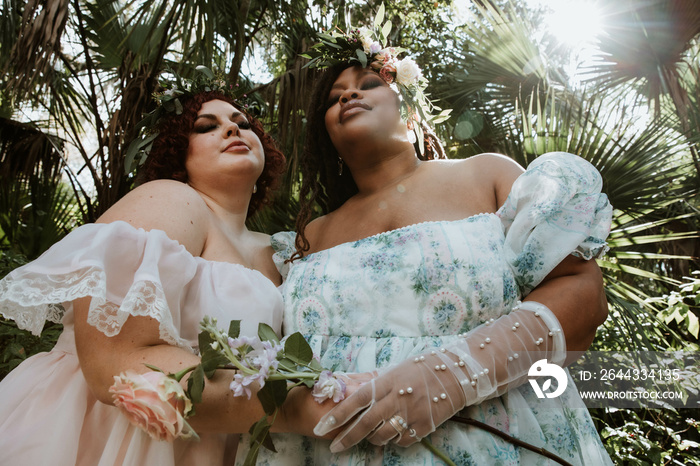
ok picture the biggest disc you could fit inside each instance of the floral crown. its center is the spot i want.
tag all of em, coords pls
(368, 48)
(169, 99)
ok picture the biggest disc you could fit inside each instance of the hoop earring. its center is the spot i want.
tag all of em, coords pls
(340, 166)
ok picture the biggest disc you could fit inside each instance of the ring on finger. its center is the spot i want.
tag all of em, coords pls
(399, 424)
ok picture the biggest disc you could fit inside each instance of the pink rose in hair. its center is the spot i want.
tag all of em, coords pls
(386, 73)
(154, 402)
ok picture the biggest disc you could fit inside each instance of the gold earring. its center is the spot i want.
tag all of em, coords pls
(340, 166)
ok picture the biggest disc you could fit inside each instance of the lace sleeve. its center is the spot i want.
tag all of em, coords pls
(126, 271)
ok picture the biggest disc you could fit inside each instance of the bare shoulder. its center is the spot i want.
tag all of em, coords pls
(490, 163)
(493, 172)
(315, 226)
(167, 205)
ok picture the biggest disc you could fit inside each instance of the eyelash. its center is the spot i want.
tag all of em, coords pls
(367, 84)
(243, 124)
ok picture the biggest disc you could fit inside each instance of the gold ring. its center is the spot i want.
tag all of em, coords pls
(398, 423)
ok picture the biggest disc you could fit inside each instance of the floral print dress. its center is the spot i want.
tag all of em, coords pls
(372, 303)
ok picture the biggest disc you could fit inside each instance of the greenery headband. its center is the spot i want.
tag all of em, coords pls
(368, 48)
(169, 99)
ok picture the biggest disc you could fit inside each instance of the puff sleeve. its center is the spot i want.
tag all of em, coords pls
(132, 272)
(283, 245)
(554, 209)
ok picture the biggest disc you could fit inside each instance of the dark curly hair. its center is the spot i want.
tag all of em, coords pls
(166, 159)
(321, 184)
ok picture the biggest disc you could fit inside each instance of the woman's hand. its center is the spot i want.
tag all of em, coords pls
(409, 401)
(301, 412)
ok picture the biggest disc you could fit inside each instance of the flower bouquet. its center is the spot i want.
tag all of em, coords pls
(157, 403)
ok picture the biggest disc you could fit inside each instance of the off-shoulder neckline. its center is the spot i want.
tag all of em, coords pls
(406, 227)
(181, 247)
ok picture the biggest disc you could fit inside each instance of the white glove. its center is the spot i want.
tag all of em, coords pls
(408, 401)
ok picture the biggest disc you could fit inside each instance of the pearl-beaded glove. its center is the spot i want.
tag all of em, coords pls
(408, 401)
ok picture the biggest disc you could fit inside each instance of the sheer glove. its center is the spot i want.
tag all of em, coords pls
(410, 400)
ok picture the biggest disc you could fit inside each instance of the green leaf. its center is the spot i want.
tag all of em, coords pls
(315, 365)
(205, 71)
(386, 30)
(211, 359)
(234, 328)
(195, 384)
(272, 395)
(693, 324)
(153, 368)
(362, 56)
(380, 17)
(265, 332)
(297, 349)
(259, 436)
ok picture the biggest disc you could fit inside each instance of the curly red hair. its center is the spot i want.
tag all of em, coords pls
(166, 160)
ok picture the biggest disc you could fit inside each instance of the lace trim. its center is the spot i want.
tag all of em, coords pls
(33, 300)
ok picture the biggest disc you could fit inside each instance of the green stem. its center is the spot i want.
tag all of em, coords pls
(293, 375)
(437, 452)
(179, 375)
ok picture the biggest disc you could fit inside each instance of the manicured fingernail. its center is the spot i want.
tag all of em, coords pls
(336, 447)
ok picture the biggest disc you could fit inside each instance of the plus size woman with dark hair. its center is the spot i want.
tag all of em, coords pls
(450, 279)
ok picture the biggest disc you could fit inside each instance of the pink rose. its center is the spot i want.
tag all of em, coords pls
(154, 402)
(386, 73)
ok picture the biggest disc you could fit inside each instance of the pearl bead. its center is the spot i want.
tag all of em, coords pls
(401, 392)
(435, 399)
(482, 346)
(537, 314)
(461, 363)
(409, 390)
(488, 340)
(442, 350)
(510, 358)
(515, 355)
(443, 367)
(513, 329)
(443, 396)
(437, 368)
(473, 384)
(517, 324)
(486, 371)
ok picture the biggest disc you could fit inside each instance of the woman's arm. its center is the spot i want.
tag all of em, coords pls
(178, 211)
(563, 311)
(575, 294)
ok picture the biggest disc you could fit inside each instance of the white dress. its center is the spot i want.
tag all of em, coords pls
(371, 303)
(47, 413)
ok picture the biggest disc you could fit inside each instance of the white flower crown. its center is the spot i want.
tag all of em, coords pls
(368, 47)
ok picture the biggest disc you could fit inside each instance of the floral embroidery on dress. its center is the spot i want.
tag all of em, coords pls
(402, 292)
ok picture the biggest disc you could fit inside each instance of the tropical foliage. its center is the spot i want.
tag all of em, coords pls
(78, 77)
